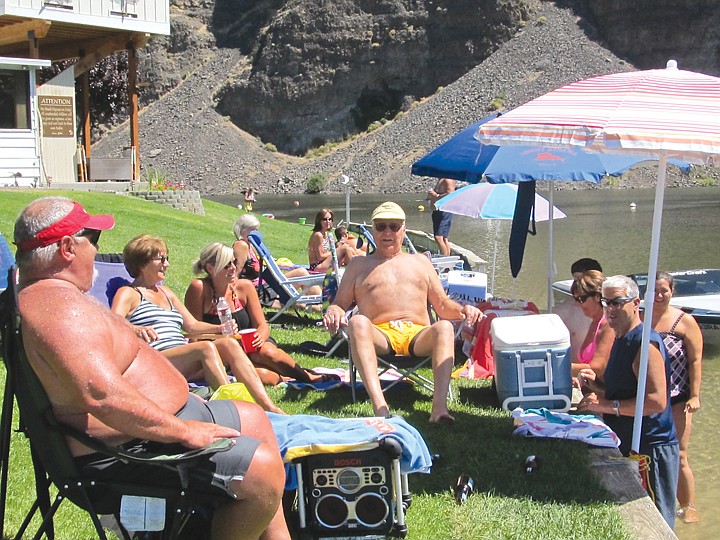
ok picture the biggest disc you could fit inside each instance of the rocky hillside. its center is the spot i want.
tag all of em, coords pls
(191, 133)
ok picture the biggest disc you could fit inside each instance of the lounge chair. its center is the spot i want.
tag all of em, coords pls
(7, 260)
(111, 275)
(288, 295)
(54, 464)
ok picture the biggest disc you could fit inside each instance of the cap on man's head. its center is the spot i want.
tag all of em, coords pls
(388, 210)
(75, 221)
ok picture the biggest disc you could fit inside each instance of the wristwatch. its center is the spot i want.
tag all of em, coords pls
(616, 406)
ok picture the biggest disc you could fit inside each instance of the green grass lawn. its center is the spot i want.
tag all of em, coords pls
(562, 500)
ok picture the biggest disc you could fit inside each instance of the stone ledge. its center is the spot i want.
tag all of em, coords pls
(185, 200)
(620, 477)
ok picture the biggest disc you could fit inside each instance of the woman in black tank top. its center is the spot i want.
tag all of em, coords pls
(217, 263)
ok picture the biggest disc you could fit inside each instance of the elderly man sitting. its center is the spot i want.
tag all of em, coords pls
(391, 290)
(117, 388)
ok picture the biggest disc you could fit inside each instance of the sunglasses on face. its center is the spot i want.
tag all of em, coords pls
(381, 226)
(326, 219)
(616, 302)
(92, 235)
(231, 263)
(583, 298)
(162, 258)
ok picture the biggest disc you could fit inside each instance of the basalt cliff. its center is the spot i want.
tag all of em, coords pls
(265, 93)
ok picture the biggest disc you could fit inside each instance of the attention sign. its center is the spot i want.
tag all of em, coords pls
(56, 114)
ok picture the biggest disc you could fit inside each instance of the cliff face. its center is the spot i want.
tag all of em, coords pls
(650, 32)
(322, 71)
(226, 48)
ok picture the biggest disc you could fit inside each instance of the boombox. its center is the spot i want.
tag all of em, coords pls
(353, 494)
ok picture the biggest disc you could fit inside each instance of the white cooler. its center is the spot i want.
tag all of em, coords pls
(467, 287)
(532, 362)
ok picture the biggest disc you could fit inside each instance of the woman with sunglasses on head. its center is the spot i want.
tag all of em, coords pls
(595, 349)
(159, 318)
(218, 264)
(684, 344)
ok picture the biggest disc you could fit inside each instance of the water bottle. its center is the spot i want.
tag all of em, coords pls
(532, 464)
(463, 488)
(223, 311)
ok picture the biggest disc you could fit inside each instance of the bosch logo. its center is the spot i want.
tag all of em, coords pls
(348, 462)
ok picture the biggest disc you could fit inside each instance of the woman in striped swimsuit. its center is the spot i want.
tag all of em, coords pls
(159, 317)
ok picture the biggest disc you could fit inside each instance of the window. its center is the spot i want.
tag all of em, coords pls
(59, 4)
(14, 99)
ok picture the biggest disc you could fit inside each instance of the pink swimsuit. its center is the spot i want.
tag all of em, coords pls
(586, 354)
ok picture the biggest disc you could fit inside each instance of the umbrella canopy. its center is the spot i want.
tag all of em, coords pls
(465, 158)
(493, 201)
(653, 113)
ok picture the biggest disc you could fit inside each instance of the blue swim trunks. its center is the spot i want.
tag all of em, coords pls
(441, 223)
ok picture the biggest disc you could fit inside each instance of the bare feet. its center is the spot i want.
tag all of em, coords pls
(442, 419)
(688, 514)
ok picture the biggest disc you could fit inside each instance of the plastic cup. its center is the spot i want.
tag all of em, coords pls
(247, 337)
(301, 221)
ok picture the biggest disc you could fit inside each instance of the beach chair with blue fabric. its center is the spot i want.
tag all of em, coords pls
(110, 276)
(289, 295)
(7, 261)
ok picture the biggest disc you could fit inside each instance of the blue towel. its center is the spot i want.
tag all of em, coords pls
(303, 434)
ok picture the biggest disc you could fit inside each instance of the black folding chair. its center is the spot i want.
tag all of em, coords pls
(54, 464)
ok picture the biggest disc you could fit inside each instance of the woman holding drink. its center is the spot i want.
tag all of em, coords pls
(218, 264)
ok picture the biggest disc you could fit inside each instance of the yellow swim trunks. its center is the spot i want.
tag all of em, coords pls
(400, 334)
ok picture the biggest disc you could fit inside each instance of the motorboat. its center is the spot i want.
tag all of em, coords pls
(695, 291)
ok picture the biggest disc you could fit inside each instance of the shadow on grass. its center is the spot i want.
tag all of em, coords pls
(480, 443)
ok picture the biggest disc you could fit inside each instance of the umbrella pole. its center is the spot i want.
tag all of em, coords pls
(649, 300)
(492, 280)
(551, 250)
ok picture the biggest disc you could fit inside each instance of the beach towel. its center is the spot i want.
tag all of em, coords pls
(303, 435)
(581, 427)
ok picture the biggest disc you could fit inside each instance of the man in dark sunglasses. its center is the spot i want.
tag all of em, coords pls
(615, 398)
(392, 290)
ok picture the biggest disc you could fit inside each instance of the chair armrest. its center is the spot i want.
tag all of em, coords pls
(312, 279)
(219, 445)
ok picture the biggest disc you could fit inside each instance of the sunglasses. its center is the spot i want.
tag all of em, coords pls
(162, 258)
(326, 219)
(92, 235)
(616, 302)
(231, 263)
(381, 226)
(583, 298)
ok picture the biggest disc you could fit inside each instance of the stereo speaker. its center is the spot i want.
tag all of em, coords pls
(353, 494)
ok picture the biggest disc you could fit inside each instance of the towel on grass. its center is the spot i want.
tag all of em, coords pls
(302, 435)
(582, 427)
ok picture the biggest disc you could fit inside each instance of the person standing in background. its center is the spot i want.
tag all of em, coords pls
(441, 220)
(249, 199)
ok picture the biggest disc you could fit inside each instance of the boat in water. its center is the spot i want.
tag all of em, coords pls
(696, 292)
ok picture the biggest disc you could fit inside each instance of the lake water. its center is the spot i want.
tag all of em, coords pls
(601, 225)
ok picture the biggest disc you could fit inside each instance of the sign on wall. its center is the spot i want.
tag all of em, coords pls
(56, 115)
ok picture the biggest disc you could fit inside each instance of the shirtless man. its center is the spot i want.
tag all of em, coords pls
(392, 289)
(441, 220)
(117, 388)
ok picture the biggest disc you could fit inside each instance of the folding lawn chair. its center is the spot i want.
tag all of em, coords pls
(288, 294)
(111, 275)
(54, 464)
(7, 260)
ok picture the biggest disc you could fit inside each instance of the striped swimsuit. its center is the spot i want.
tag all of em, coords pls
(167, 324)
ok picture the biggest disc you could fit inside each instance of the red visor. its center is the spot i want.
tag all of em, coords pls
(76, 220)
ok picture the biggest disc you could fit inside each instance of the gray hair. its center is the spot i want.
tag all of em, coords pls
(622, 282)
(217, 254)
(245, 223)
(36, 216)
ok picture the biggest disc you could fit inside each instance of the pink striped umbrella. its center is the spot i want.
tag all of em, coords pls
(658, 113)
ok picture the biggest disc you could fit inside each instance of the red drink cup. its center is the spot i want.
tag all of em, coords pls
(247, 337)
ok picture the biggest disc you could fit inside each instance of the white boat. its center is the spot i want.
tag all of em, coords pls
(696, 292)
